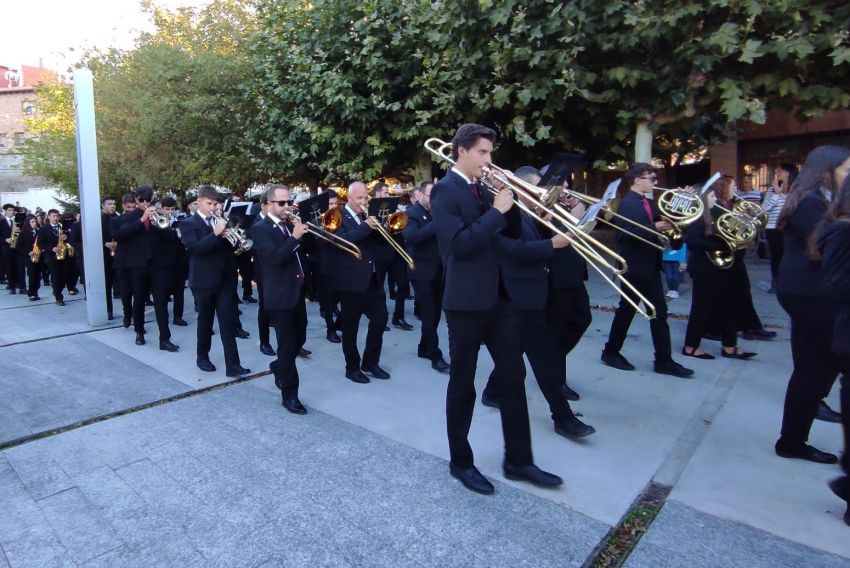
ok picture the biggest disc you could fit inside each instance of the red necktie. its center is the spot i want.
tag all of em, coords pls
(474, 185)
(648, 208)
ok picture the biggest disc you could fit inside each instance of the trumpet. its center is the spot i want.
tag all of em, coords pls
(330, 221)
(160, 220)
(395, 223)
(235, 236)
(550, 214)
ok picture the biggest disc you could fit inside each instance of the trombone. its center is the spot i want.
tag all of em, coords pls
(331, 221)
(546, 211)
(395, 223)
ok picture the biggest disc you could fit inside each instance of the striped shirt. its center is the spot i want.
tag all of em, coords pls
(773, 204)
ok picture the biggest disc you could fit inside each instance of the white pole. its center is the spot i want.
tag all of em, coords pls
(89, 184)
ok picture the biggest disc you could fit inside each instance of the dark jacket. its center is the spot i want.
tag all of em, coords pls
(5, 232)
(26, 240)
(467, 237)
(277, 255)
(169, 251)
(834, 244)
(212, 263)
(643, 260)
(48, 238)
(75, 234)
(420, 236)
(136, 245)
(352, 275)
(258, 267)
(699, 244)
(798, 275)
(525, 267)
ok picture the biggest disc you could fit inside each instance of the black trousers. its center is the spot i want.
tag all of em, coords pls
(498, 328)
(125, 291)
(290, 327)
(712, 304)
(747, 318)
(540, 344)
(815, 365)
(212, 302)
(652, 289)
(776, 248)
(245, 264)
(139, 281)
(568, 315)
(429, 295)
(263, 319)
(80, 267)
(33, 278)
(327, 299)
(372, 303)
(109, 280)
(401, 283)
(59, 271)
(166, 283)
(10, 261)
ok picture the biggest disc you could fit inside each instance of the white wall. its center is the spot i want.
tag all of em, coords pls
(36, 197)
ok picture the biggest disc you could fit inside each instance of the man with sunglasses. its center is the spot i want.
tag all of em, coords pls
(644, 272)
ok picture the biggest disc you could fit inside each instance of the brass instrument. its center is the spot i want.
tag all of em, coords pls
(752, 210)
(63, 249)
(35, 253)
(737, 230)
(395, 223)
(331, 221)
(235, 236)
(561, 223)
(113, 248)
(158, 219)
(680, 208)
(16, 231)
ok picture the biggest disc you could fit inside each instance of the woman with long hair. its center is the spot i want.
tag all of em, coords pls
(832, 248)
(802, 295)
(713, 298)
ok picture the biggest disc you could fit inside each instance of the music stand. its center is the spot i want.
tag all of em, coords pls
(310, 210)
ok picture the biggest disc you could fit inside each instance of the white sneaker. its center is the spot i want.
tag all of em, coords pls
(672, 294)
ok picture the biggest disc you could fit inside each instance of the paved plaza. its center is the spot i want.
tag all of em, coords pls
(204, 476)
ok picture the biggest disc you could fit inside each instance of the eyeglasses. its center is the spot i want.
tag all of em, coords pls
(282, 202)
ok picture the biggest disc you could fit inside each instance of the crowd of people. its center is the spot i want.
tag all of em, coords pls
(474, 254)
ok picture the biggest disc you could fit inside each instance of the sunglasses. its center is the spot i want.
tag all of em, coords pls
(283, 202)
(143, 200)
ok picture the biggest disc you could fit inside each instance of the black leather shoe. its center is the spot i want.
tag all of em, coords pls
(472, 479)
(841, 487)
(807, 452)
(60, 302)
(181, 322)
(333, 337)
(357, 377)
(304, 353)
(376, 372)
(126, 322)
(532, 474)
(440, 365)
(569, 393)
(401, 324)
(758, 335)
(386, 328)
(266, 349)
(250, 299)
(488, 400)
(737, 354)
(573, 428)
(166, 345)
(109, 317)
(673, 368)
(73, 292)
(826, 414)
(140, 338)
(238, 301)
(148, 303)
(206, 365)
(238, 371)
(617, 361)
(34, 298)
(705, 356)
(294, 406)
(242, 334)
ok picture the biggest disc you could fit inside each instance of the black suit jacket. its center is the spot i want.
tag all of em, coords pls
(467, 237)
(258, 266)
(277, 255)
(798, 275)
(525, 267)
(834, 244)
(420, 236)
(26, 239)
(354, 275)
(644, 261)
(136, 245)
(76, 237)
(169, 251)
(48, 239)
(699, 244)
(5, 232)
(212, 263)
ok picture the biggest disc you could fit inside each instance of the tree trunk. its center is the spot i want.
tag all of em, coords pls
(643, 143)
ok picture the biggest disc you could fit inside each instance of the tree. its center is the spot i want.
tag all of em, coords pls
(50, 149)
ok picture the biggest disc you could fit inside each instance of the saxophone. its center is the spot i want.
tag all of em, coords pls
(62, 249)
(16, 231)
(35, 255)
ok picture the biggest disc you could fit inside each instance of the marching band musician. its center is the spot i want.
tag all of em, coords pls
(166, 274)
(360, 289)
(644, 272)
(14, 273)
(212, 279)
(468, 222)
(25, 244)
(122, 275)
(323, 262)
(277, 245)
(391, 267)
(48, 241)
(107, 213)
(525, 270)
(263, 323)
(421, 240)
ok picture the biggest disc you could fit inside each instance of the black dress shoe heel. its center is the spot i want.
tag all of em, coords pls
(472, 479)
(304, 353)
(808, 453)
(181, 322)
(673, 368)
(706, 356)
(401, 324)
(266, 349)
(440, 365)
(333, 337)
(294, 406)
(532, 474)
(166, 345)
(242, 334)
(376, 372)
(826, 414)
(617, 361)
(238, 371)
(206, 365)
(573, 428)
(140, 338)
(569, 393)
(357, 377)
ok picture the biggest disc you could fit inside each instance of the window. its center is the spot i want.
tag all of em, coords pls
(28, 108)
(19, 138)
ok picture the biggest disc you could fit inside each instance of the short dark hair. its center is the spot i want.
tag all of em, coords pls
(274, 189)
(8, 206)
(52, 211)
(264, 197)
(468, 135)
(380, 186)
(144, 192)
(638, 169)
(331, 194)
(128, 198)
(168, 201)
(106, 198)
(208, 192)
(525, 172)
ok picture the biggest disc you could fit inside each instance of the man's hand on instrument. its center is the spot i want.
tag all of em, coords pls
(110, 245)
(220, 226)
(372, 222)
(503, 201)
(299, 229)
(559, 241)
(663, 226)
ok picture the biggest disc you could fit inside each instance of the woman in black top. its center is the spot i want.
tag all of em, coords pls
(802, 295)
(833, 249)
(24, 248)
(713, 296)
